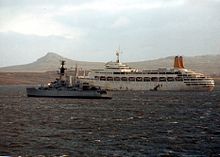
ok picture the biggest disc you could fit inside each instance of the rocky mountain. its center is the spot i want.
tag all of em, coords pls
(209, 64)
(51, 62)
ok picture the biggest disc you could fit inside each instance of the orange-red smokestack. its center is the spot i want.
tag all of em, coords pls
(181, 62)
(178, 62)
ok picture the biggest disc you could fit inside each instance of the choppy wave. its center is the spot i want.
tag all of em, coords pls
(131, 124)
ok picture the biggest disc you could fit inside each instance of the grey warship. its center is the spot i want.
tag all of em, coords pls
(61, 88)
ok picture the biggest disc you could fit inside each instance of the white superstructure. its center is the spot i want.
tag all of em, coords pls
(119, 76)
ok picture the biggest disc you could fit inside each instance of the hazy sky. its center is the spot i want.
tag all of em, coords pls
(91, 30)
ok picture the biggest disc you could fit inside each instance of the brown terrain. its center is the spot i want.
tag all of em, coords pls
(208, 64)
(26, 78)
(44, 69)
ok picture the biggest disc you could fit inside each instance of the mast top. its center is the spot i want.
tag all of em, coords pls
(62, 68)
(118, 51)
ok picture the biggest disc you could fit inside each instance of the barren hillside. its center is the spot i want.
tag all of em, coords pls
(208, 64)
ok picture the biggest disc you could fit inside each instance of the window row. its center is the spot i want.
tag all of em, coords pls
(139, 79)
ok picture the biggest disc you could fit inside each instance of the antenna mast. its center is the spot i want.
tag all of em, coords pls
(62, 68)
(118, 51)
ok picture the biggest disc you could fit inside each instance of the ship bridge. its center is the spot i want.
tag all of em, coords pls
(118, 67)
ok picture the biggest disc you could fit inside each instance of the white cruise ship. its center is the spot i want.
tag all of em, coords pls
(119, 76)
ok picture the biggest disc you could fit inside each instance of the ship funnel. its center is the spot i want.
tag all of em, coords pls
(181, 62)
(178, 62)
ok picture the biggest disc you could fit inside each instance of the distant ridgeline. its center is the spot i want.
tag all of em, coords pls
(208, 64)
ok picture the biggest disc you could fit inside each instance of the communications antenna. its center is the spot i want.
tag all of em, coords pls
(118, 52)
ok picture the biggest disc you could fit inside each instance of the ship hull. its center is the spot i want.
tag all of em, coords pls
(82, 94)
(158, 86)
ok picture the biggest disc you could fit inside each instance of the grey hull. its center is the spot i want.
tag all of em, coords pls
(84, 94)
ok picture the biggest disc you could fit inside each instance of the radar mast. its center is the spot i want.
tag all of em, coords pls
(118, 51)
(62, 69)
